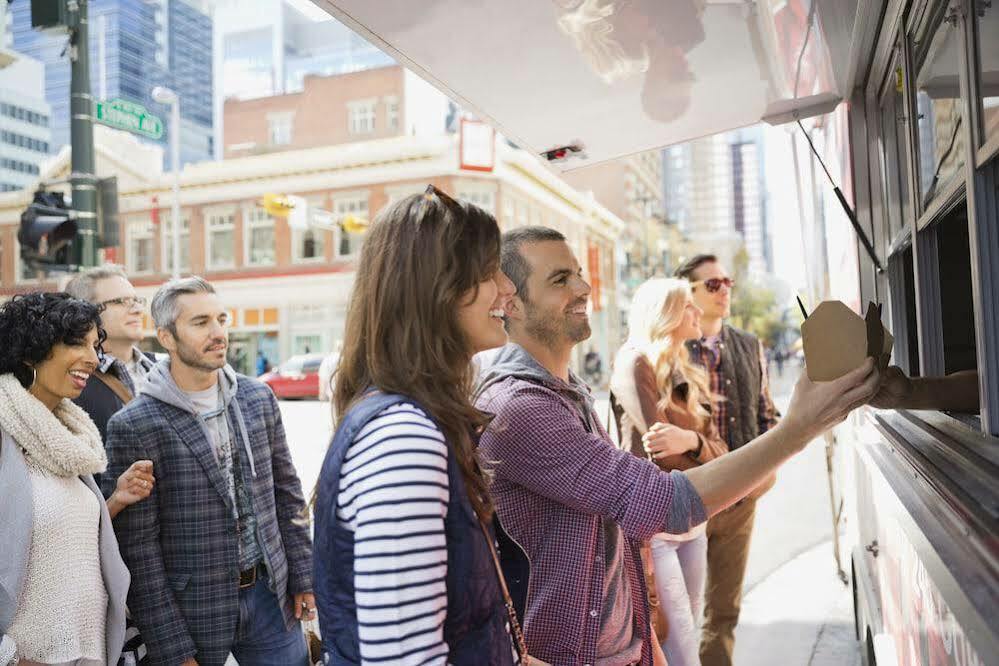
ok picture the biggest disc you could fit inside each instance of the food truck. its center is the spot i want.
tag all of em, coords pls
(898, 102)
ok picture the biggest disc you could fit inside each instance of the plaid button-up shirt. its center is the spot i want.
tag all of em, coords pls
(556, 477)
(708, 353)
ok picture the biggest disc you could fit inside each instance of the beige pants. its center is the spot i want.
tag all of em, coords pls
(729, 535)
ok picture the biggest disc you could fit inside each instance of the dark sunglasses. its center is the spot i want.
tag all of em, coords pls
(714, 284)
(432, 192)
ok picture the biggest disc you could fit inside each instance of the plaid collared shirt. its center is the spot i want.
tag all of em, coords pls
(556, 477)
(708, 353)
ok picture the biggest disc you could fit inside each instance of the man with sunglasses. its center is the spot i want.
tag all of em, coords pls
(738, 372)
(124, 367)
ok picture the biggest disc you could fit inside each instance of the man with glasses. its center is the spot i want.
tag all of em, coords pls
(738, 372)
(124, 367)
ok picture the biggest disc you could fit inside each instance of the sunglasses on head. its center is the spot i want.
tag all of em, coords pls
(714, 284)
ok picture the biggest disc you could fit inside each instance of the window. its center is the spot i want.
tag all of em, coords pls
(166, 227)
(957, 311)
(361, 117)
(481, 197)
(309, 245)
(279, 128)
(392, 113)
(895, 181)
(141, 238)
(988, 67)
(942, 148)
(349, 243)
(220, 227)
(258, 233)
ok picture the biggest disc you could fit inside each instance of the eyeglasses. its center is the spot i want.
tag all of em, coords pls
(128, 301)
(714, 284)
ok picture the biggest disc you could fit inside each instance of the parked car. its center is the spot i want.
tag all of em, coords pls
(298, 377)
(326, 370)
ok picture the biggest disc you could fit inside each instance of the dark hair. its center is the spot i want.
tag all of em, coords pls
(513, 263)
(421, 257)
(686, 270)
(32, 324)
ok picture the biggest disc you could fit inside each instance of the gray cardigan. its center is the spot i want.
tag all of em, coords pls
(15, 538)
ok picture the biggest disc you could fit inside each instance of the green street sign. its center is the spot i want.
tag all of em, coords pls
(130, 117)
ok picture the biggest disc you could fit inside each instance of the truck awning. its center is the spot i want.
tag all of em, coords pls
(615, 77)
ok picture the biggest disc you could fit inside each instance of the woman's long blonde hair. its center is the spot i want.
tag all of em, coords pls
(656, 312)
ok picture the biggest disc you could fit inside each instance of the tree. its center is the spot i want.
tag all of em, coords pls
(755, 308)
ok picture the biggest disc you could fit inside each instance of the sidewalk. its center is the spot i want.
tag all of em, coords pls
(801, 614)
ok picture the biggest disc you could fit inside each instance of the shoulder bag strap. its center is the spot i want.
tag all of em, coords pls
(116, 386)
(518, 635)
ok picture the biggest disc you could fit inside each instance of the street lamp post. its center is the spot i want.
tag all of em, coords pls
(168, 96)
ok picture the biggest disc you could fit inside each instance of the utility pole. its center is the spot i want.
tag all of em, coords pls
(83, 179)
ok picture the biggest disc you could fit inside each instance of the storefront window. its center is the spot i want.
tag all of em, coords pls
(988, 65)
(942, 146)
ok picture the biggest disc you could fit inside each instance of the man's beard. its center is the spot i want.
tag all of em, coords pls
(551, 329)
(191, 358)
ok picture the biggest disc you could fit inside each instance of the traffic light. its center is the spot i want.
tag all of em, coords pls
(107, 212)
(48, 228)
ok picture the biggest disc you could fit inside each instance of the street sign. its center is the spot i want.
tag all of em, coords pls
(128, 116)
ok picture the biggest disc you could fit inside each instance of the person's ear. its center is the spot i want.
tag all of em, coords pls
(166, 339)
(514, 309)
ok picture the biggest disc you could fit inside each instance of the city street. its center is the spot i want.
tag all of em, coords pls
(795, 609)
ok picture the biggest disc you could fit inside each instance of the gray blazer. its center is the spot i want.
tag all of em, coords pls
(15, 538)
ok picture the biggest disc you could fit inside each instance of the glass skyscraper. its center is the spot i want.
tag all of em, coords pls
(135, 45)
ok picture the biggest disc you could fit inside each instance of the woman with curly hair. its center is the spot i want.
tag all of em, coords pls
(62, 582)
(662, 404)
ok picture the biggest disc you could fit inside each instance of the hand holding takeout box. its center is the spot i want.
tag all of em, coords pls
(836, 340)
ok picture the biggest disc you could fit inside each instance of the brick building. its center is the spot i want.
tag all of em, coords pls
(288, 289)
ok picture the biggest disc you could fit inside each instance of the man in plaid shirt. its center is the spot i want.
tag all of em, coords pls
(578, 506)
(738, 372)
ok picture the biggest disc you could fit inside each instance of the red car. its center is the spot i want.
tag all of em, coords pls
(298, 377)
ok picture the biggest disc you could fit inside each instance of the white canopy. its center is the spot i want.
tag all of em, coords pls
(616, 77)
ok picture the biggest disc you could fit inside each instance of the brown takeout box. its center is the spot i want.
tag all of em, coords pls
(836, 340)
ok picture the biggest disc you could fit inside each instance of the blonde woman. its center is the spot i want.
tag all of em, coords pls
(662, 405)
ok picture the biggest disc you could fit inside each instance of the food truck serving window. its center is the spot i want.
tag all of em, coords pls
(941, 146)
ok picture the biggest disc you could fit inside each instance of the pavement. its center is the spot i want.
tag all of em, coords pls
(796, 611)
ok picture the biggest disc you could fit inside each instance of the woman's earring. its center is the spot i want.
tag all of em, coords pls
(34, 376)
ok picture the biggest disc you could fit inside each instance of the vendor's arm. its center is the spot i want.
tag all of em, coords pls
(956, 392)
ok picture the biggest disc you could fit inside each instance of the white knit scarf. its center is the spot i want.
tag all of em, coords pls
(64, 442)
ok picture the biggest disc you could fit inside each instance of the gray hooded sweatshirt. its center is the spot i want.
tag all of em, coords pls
(228, 443)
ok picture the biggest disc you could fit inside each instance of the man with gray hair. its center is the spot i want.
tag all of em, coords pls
(220, 553)
(123, 367)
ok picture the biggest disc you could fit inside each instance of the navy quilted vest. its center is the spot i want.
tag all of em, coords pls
(475, 628)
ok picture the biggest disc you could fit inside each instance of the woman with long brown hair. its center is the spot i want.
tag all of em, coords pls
(655, 383)
(404, 567)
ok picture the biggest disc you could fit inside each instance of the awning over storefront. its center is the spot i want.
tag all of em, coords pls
(615, 77)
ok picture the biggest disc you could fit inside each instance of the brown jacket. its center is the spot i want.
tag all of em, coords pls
(635, 400)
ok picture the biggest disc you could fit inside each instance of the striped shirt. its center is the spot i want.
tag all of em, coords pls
(394, 497)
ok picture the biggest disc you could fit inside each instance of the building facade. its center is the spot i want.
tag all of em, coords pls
(25, 138)
(374, 103)
(287, 289)
(714, 190)
(134, 47)
(271, 50)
